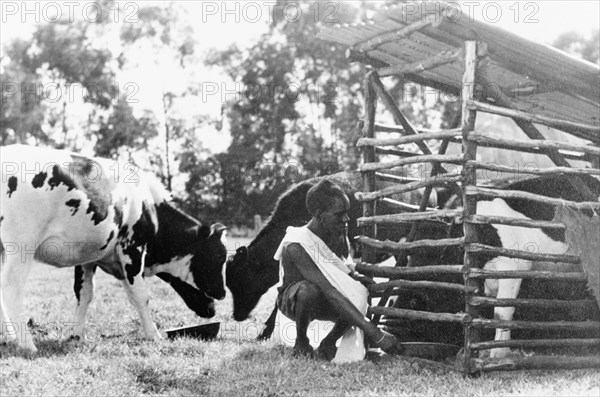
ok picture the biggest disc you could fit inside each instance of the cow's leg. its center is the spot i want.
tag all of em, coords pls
(506, 289)
(83, 287)
(13, 275)
(136, 289)
(269, 325)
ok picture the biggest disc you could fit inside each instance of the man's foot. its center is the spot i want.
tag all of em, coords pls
(325, 352)
(302, 349)
(389, 344)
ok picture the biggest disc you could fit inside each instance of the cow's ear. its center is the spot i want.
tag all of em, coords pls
(217, 228)
(219, 231)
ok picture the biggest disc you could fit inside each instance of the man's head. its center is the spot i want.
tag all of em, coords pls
(328, 205)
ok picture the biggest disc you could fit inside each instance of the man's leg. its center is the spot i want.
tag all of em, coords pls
(307, 300)
(327, 348)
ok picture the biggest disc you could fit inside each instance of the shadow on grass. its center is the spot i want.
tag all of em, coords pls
(46, 348)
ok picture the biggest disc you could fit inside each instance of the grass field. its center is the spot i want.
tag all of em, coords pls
(114, 361)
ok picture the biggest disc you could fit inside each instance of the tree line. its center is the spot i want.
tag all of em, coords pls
(294, 118)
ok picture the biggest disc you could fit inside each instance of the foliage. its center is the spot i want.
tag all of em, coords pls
(295, 116)
(123, 130)
(580, 46)
(296, 113)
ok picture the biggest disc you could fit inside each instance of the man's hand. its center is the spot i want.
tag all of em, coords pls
(364, 280)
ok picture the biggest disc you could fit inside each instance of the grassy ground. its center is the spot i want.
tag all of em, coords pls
(112, 360)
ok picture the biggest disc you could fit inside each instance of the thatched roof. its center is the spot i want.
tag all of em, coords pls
(537, 78)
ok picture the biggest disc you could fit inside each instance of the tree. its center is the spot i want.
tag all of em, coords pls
(43, 73)
(576, 44)
(124, 130)
(297, 106)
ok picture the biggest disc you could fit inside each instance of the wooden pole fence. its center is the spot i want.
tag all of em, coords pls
(433, 158)
(393, 247)
(439, 59)
(425, 136)
(401, 272)
(521, 222)
(536, 171)
(396, 34)
(418, 284)
(520, 343)
(539, 325)
(534, 362)
(560, 124)
(391, 190)
(531, 274)
(482, 301)
(417, 315)
(404, 206)
(477, 248)
(534, 144)
(497, 193)
(410, 217)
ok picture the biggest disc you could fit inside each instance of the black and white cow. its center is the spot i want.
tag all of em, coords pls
(65, 209)
(549, 241)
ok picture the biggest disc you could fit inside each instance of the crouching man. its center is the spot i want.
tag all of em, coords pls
(318, 283)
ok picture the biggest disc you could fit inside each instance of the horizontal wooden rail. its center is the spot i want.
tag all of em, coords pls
(510, 194)
(540, 144)
(398, 129)
(530, 274)
(409, 139)
(534, 362)
(507, 145)
(395, 178)
(431, 158)
(422, 65)
(393, 247)
(521, 343)
(439, 180)
(535, 171)
(395, 152)
(404, 206)
(416, 315)
(482, 301)
(409, 217)
(395, 35)
(591, 132)
(477, 248)
(503, 220)
(386, 293)
(540, 325)
(401, 272)
(405, 284)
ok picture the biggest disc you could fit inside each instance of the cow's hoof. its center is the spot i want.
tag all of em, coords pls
(302, 350)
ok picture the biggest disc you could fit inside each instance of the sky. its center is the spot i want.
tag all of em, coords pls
(218, 24)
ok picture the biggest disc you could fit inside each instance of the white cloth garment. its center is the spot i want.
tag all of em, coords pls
(335, 270)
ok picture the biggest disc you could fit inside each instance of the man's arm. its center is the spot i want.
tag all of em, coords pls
(294, 254)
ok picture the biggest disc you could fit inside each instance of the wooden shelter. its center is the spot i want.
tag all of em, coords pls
(488, 70)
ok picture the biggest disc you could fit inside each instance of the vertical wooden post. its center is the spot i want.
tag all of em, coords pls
(368, 253)
(469, 203)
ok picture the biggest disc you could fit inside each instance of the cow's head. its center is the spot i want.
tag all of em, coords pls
(248, 278)
(195, 299)
(208, 259)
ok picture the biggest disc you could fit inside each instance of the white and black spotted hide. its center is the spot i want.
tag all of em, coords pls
(65, 209)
